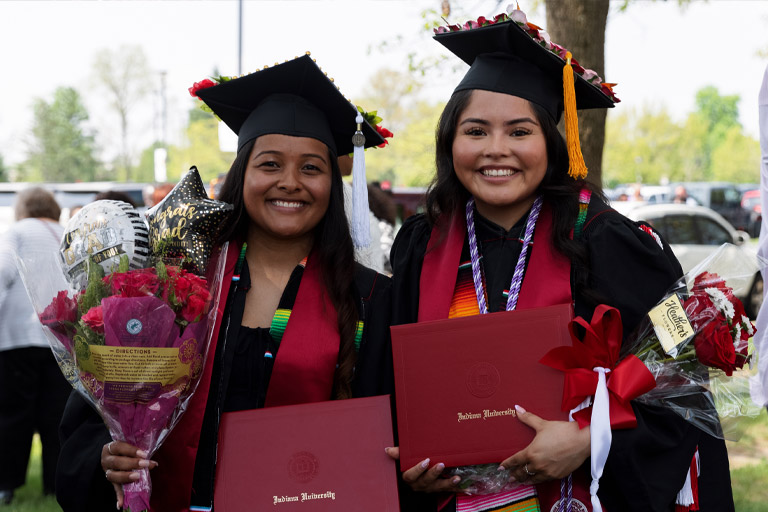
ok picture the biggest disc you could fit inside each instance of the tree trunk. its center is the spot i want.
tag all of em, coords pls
(579, 26)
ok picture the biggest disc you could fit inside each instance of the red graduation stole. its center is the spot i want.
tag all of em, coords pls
(312, 313)
(305, 364)
(547, 281)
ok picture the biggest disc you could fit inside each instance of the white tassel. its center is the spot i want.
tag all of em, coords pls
(360, 225)
(685, 496)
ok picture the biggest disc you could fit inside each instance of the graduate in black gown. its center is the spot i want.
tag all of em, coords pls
(290, 231)
(503, 169)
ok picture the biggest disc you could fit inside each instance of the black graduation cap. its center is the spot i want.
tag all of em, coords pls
(293, 98)
(505, 59)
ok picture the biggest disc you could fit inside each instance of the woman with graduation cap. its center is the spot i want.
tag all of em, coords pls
(292, 274)
(512, 223)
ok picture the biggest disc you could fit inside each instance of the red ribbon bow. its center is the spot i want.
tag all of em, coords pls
(600, 348)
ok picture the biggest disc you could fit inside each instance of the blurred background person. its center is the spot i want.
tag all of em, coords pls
(681, 196)
(33, 391)
(384, 209)
(153, 194)
(115, 195)
(760, 391)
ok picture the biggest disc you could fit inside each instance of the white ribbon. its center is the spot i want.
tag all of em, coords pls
(600, 435)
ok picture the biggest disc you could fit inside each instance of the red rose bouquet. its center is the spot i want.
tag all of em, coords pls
(686, 355)
(133, 343)
(697, 341)
(131, 330)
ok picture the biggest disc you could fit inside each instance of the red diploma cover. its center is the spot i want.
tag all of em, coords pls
(457, 382)
(323, 456)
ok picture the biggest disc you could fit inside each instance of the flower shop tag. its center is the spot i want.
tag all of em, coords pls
(670, 323)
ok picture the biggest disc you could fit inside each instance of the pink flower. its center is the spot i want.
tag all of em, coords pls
(517, 15)
(591, 76)
(94, 319)
(60, 312)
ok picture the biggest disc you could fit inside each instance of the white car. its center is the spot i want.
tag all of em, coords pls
(694, 232)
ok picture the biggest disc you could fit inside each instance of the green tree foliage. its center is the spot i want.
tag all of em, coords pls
(736, 158)
(717, 115)
(61, 148)
(649, 147)
(202, 150)
(4, 171)
(409, 158)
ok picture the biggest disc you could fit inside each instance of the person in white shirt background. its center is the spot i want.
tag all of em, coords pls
(33, 391)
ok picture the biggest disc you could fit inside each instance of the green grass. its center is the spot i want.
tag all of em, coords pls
(750, 492)
(29, 498)
(749, 474)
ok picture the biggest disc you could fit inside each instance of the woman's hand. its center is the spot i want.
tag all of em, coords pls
(425, 479)
(121, 462)
(557, 450)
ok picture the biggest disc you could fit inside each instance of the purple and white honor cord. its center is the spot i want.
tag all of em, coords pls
(474, 254)
(566, 486)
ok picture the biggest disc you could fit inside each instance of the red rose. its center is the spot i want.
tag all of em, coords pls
(134, 283)
(94, 319)
(700, 310)
(483, 21)
(194, 309)
(709, 280)
(714, 347)
(385, 134)
(202, 84)
(61, 311)
(577, 67)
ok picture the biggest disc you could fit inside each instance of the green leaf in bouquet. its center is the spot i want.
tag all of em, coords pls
(162, 272)
(95, 289)
(124, 264)
(82, 349)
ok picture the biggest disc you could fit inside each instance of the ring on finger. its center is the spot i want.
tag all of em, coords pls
(529, 473)
(106, 474)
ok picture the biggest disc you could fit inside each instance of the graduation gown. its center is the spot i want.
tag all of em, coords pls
(187, 459)
(630, 271)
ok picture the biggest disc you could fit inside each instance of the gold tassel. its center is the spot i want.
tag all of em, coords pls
(576, 168)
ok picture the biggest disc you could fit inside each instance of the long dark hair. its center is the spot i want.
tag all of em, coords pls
(447, 196)
(333, 249)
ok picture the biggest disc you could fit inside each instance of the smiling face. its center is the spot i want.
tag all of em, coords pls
(500, 155)
(287, 186)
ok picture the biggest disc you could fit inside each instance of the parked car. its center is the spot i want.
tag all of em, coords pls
(694, 232)
(750, 201)
(724, 198)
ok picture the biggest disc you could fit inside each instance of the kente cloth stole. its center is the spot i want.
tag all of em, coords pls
(283, 314)
(446, 290)
(305, 365)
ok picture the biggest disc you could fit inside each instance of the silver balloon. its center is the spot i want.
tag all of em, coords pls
(102, 232)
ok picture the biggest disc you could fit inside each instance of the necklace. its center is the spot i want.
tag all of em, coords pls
(474, 254)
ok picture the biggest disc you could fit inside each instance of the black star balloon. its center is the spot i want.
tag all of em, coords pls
(186, 223)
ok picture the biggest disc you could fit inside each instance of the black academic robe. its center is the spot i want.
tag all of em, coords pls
(628, 270)
(243, 381)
